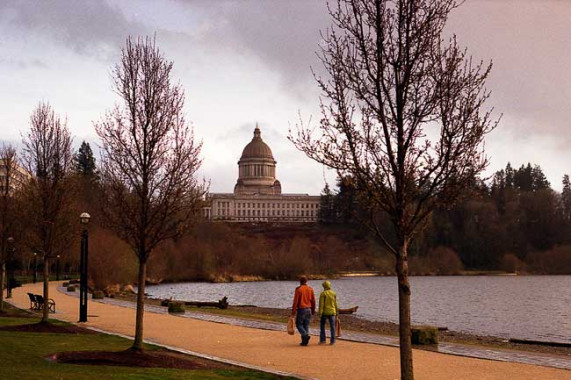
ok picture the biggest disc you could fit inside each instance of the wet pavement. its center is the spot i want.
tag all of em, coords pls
(513, 356)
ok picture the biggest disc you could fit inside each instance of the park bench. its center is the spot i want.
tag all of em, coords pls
(33, 301)
(37, 303)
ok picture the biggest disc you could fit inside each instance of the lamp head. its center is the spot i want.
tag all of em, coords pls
(84, 218)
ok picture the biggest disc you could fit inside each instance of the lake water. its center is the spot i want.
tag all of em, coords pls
(525, 307)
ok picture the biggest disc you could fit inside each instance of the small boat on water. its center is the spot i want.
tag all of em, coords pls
(350, 310)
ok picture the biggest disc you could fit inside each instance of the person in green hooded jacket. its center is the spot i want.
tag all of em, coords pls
(328, 310)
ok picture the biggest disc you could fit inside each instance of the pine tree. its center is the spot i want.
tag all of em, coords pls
(509, 175)
(566, 197)
(326, 213)
(346, 200)
(539, 180)
(84, 162)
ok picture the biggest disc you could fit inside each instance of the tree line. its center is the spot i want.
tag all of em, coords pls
(513, 221)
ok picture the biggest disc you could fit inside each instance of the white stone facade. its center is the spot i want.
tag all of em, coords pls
(18, 176)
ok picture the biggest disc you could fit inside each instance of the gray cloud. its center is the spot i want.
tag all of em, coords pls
(283, 34)
(86, 27)
(23, 63)
(528, 41)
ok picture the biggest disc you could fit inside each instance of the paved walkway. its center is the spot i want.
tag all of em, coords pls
(479, 352)
(265, 345)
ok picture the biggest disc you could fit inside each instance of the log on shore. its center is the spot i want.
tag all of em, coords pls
(221, 304)
(350, 310)
(540, 343)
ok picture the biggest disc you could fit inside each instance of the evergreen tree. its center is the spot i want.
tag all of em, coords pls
(566, 198)
(523, 178)
(539, 180)
(326, 213)
(509, 178)
(84, 162)
(345, 200)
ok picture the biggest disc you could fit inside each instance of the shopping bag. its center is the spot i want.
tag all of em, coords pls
(337, 327)
(291, 326)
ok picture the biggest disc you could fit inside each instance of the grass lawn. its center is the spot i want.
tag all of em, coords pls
(22, 357)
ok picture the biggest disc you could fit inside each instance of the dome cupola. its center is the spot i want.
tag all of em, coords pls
(257, 148)
(257, 168)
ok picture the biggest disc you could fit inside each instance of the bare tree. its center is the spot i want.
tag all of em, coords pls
(401, 115)
(8, 167)
(149, 158)
(48, 195)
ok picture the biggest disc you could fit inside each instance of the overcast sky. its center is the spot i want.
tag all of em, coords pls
(243, 62)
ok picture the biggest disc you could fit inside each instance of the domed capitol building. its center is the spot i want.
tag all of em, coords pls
(258, 194)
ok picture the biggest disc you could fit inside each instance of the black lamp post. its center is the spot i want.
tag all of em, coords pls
(84, 218)
(57, 268)
(9, 267)
(35, 267)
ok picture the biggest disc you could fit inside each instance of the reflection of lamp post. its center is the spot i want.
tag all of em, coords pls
(84, 219)
(57, 268)
(9, 268)
(35, 267)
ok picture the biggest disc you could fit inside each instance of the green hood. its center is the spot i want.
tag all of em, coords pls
(328, 300)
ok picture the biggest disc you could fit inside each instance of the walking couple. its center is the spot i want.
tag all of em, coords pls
(304, 307)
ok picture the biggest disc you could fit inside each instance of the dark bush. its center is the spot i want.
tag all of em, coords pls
(424, 335)
(176, 307)
(98, 295)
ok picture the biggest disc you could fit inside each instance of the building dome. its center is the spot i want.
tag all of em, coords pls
(257, 168)
(257, 148)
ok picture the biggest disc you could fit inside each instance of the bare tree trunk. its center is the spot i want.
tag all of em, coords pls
(138, 344)
(46, 310)
(404, 314)
(2, 269)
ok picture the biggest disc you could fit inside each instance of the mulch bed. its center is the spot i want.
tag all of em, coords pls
(129, 358)
(48, 328)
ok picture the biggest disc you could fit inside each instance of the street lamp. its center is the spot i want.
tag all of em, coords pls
(10, 268)
(57, 268)
(35, 267)
(84, 219)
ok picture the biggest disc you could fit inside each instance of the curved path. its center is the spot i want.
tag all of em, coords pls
(277, 351)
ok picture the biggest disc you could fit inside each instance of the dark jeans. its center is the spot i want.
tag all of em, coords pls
(302, 321)
(331, 319)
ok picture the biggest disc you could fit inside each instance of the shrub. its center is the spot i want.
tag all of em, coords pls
(71, 288)
(176, 307)
(511, 263)
(554, 261)
(98, 295)
(112, 261)
(445, 260)
(424, 335)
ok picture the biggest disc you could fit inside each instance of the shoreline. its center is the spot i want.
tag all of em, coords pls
(355, 323)
(252, 278)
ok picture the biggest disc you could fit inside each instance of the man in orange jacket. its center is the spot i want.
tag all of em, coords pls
(303, 307)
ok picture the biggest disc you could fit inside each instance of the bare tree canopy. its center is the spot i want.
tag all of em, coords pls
(47, 156)
(401, 115)
(150, 157)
